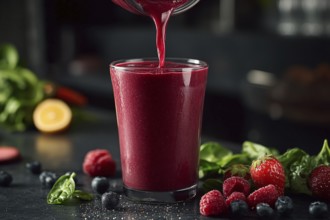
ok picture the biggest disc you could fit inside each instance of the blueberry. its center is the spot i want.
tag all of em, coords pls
(264, 210)
(318, 209)
(34, 167)
(5, 178)
(284, 205)
(239, 208)
(47, 178)
(100, 184)
(110, 200)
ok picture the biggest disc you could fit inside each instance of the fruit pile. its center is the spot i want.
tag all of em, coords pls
(261, 188)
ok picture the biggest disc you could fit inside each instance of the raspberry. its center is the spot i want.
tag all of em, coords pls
(267, 194)
(235, 196)
(212, 204)
(99, 162)
(235, 184)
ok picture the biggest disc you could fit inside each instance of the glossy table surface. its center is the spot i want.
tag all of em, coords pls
(25, 198)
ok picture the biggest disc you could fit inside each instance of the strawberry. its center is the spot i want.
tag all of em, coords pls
(267, 194)
(268, 170)
(212, 204)
(319, 182)
(240, 170)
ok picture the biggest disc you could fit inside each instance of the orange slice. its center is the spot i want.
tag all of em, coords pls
(52, 116)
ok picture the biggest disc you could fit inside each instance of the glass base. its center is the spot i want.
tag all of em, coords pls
(161, 197)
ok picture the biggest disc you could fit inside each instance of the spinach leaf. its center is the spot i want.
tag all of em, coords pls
(62, 190)
(208, 169)
(254, 150)
(82, 195)
(323, 157)
(8, 56)
(213, 152)
(211, 184)
(229, 160)
(299, 172)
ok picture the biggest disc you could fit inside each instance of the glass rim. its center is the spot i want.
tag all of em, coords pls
(195, 63)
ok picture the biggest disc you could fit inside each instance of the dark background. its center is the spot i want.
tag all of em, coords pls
(72, 42)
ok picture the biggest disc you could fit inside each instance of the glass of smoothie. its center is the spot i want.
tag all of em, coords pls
(159, 115)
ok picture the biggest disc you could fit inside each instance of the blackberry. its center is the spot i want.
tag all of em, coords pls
(34, 167)
(100, 184)
(5, 178)
(47, 178)
(264, 210)
(110, 200)
(284, 205)
(239, 208)
(318, 209)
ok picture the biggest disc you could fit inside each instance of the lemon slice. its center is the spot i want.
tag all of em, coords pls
(52, 116)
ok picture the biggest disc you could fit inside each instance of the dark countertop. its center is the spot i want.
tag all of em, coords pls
(26, 198)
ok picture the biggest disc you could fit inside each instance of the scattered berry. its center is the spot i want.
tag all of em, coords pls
(264, 210)
(5, 178)
(235, 184)
(267, 194)
(284, 205)
(318, 209)
(99, 162)
(34, 167)
(319, 182)
(268, 170)
(235, 196)
(100, 185)
(47, 179)
(110, 200)
(239, 208)
(212, 204)
(240, 170)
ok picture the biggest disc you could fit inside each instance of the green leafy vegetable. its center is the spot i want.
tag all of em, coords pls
(64, 190)
(254, 150)
(82, 195)
(211, 184)
(298, 165)
(324, 156)
(20, 91)
(212, 151)
(8, 57)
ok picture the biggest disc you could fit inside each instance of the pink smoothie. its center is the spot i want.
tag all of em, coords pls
(160, 12)
(159, 114)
